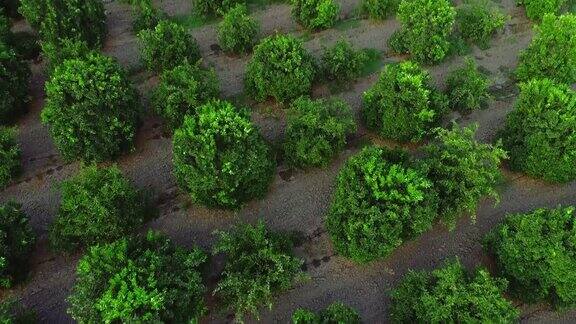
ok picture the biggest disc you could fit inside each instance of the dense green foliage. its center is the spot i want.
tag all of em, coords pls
(381, 200)
(462, 170)
(182, 90)
(315, 14)
(59, 20)
(403, 105)
(14, 79)
(141, 279)
(167, 46)
(316, 131)
(467, 88)
(478, 20)
(336, 313)
(220, 158)
(540, 133)
(4, 27)
(91, 109)
(238, 32)
(342, 63)
(215, 7)
(451, 295)
(552, 53)
(12, 312)
(147, 16)
(67, 49)
(380, 9)
(536, 253)
(280, 68)
(9, 156)
(16, 243)
(426, 28)
(537, 9)
(259, 265)
(98, 205)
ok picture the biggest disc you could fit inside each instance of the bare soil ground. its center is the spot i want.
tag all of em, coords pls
(297, 200)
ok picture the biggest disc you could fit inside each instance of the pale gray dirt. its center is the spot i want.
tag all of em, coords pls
(297, 200)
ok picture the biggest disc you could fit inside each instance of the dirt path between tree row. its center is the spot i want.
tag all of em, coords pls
(298, 200)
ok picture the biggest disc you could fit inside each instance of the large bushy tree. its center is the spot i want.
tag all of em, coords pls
(238, 31)
(168, 45)
(381, 200)
(9, 156)
(280, 68)
(462, 170)
(14, 81)
(220, 158)
(16, 242)
(91, 109)
(259, 265)
(540, 133)
(182, 90)
(537, 9)
(141, 279)
(98, 205)
(426, 28)
(536, 252)
(60, 20)
(451, 295)
(315, 14)
(316, 131)
(552, 52)
(403, 105)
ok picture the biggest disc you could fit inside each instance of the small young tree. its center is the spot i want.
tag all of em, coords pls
(315, 14)
(280, 68)
(335, 313)
(259, 265)
(462, 170)
(91, 109)
(478, 20)
(182, 90)
(380, 202)
(16, 242)
(238, 32)
(342, 63)
(316, 131)
(14, 79)
(426, 28)
(535, 251)
(403, 105)
(537, 9)
(98, 205)
(58, 20)
(141, 279)
(451, 295)
(552, 53)
(220, 158)
(167, 46)
(540, 133)
(9, 156)
(380, 9)
(215, 7)
(467, 88)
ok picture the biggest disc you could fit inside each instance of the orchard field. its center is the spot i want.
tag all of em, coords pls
(284, 186)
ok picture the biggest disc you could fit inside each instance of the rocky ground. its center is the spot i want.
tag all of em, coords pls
(297, 200)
